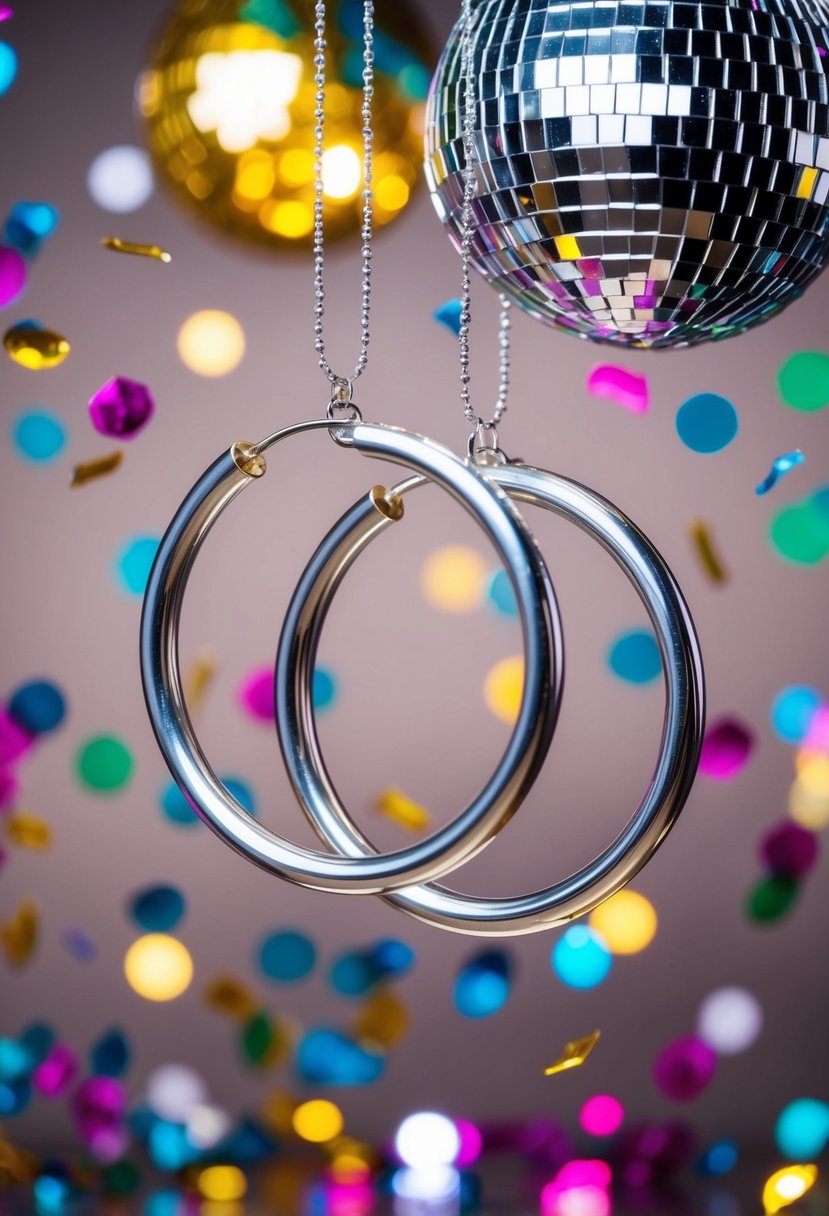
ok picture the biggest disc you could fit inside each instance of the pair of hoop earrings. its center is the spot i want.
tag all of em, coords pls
(405, 877)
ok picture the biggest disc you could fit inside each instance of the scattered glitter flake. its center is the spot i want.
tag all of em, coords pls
(773, 898)
(580, 958)
(574, 1054)
(706, 423)
(198, 678)
(29, 832)
(38, 706)
(28, 225)
(685, 1068)
(12, 275)
(383, 1020)
(80, 945)
(803, 380)
(157, 909)
(257, 693)
(142, 251)
(19, 935)
(104, 764)
(158, 967)
(121, 408)
(134, 563)
(626, 388)
(782, 465)
(120, 179)
(789, 851)
(403, 811)
(14, 740)
(287, 956)
(226, 994)
(91, 470)
(54, 1075)
(38, 437)
(635, 658)
(33, 347)
(262, 1041)
(708, 553)
(726, 748)
(787, 1186)
(449, 314)
(483, 984)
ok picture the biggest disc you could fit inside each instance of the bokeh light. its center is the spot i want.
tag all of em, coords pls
(38, 436)
(581, 958)
(501, 596)
(211, 343)
(808, 807)
(222, 1183)
(8, 67)
(803, 380)
(719, 1158)
(730, 1020)
(174, 1091)
(318, 1121)
(706, 422)
(38, 706)
(627, 922)
(635, 658)
(157, 909)
(601, 1115)
(792, 711)
(726, 749)
(453, 579)
(799, 533)
(287, 956)
(120, 179)
(134, 563)
(802, 1129)
(684, 1068)
(503, 688)
(426, 1140)
(12, 275)
(482, 986)
(787, 1186)
(158, 967)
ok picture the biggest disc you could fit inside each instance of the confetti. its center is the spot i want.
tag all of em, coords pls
(79, 945)
(158, 967)
(626, 922)
(141, 251)
(802, 1129)
(12, 275)
(287, 956)
(226, 994)
(402, 811)
(174, 1091)
(800, 532)
(786, 1186)
(6, 13)
(104, 764)
(29, 832)
(789, 850)
(383, 1020)
(120, 179)
(90, 470)
(453, 579)
(803, 380)
(19, 935)
(318, 1121)
(121, 408)
(134, 563)
(257, 693)
(772, 898)
(730, 1020)
(720, 1158)
(624, 387)
(157, 909)
(38, 706)
(263, 1042)
(327, 1057)
(793, 710)
(198, 678)
(28, 225)
(707, 552)
(503, 687)
(580, 958)
(211, 343)
(726, 748)
(685, 1068)
(222, 1184)
(574, 1054)
(782, 465)
(9, 789)
(706, 423)
(14, 740)
(483, 985)
(55, 1074)
(601, 1115)
(34, 347)
(324, 689)
(38, 437)
(449, 314)
(8, 67)
(635, 658)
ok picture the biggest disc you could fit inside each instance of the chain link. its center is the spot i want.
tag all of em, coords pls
(468, 107)
(341, 385)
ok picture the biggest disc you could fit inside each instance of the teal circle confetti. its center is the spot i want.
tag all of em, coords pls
(135, 562)
(803, 380)
(38, 436)
(482, 987)
(500, 594)
(635, 657)
(324, 689)
(110, 1055)
(104, 764)
(8, 67)
(287, 956)
(14, 1097)
(800, 533)
(327, 1057)
(38, 706)
(157, 909)
(581, 958)
(16, 1061)
(792, 711)
(354, 974)
(707, 423)
(176, 808)
(802, 1129)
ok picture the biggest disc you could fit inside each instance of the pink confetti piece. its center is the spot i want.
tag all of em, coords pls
(55, 1074)
(817, 735)
(256, 695)
(12, 275)
(685, 1068)
(9, 789)
(14, 740)
(121, 408)
(6, 13)
(622, 386)
(789, 851)
(725, 749)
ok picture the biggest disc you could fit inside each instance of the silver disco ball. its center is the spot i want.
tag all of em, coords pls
(649, 174)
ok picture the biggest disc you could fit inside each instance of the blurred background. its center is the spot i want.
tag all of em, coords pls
(166, 1008)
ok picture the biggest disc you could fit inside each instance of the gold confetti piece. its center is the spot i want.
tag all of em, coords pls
(787, 1186)
(706, 549)
(29, 832)
(574, 1054)
(19, 935)
(198, 678)
(383, 1019)
(403, 811)
(34, 347)
(228, 995)
(141, 251)
(278, 1112)
(99, 467)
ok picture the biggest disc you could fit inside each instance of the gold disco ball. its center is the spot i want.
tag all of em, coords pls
(228, 103)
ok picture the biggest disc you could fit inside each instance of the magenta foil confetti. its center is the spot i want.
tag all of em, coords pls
(9, 789)
(14, 740)
(684, 1068)
(121, 408)
(622, 386)
(817, 735)
(12, 275)
(256, 695)
(6, 13)
(789, 851)
(725, 749)
(55, 1074)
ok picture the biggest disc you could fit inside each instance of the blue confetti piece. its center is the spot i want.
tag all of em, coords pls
(287, 956)
(157, 909)
(449, 314)
(79, 945)
(782, 465)
(483, 985)
(110, 1056)
(327, 1057)
(28, 225)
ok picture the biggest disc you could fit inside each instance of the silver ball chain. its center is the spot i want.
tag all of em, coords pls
(467, 218)
(342, 385)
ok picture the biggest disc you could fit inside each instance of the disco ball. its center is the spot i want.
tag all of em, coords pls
(650, 174)
(228, 104)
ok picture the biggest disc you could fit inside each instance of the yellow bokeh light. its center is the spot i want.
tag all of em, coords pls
(807, 807)
(317, 1121)
(211, 343)
(254, 175)
(223, 1183)
(158, 967)
(391, 192)
(813, 770)
(351, 1161)
(503, 687)
(342, 172)
(627, 921)
(453, 579)
(786, 1186)
(288, 219)
(296, 166)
